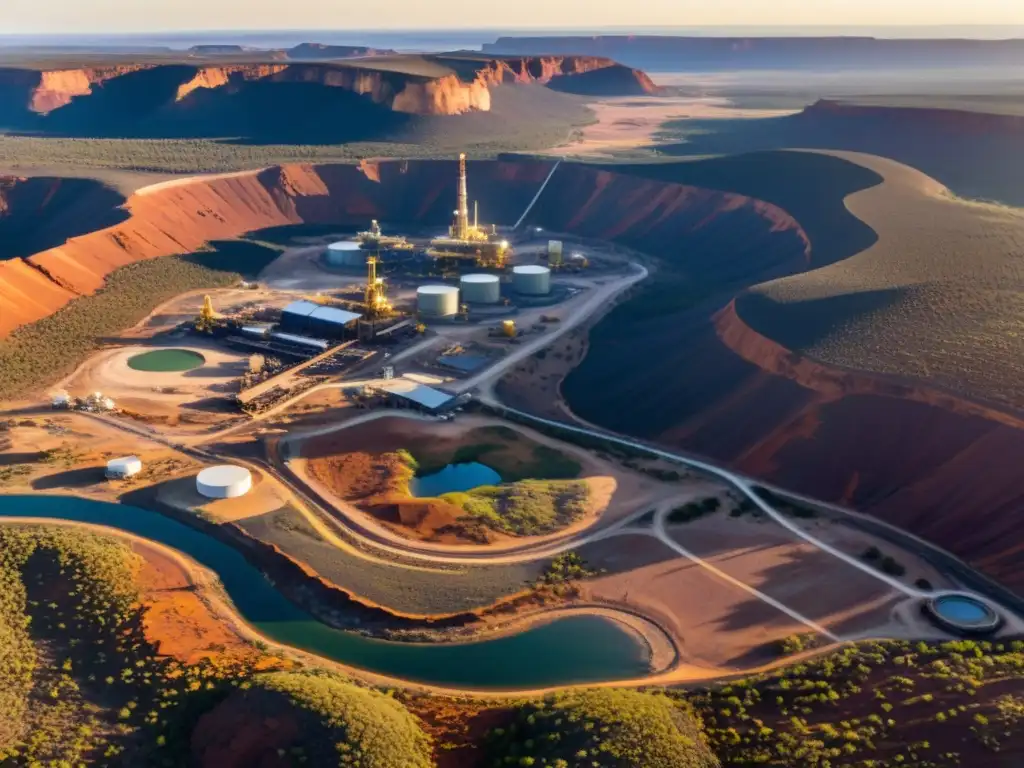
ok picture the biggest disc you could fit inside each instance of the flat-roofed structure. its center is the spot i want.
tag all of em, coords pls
(309, 318)
(415, 395)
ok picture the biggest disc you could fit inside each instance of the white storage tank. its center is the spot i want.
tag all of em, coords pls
(345, 253)
(127, 466)
(532, 280)
(437, 300)
(225, 481)
(480, 289)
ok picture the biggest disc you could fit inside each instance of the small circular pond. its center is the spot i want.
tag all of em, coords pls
(962, 613)
(464, 476)
(166, 361)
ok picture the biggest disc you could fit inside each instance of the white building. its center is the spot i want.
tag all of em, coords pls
(127, 466)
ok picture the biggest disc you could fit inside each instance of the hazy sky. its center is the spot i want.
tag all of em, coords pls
(91, 16)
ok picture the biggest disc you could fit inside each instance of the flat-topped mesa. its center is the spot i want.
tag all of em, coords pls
(448, 84)
(48, 90)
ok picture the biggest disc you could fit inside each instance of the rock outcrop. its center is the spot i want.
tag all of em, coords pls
(420, 85)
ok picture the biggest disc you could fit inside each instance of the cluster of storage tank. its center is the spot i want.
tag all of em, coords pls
(443, 300)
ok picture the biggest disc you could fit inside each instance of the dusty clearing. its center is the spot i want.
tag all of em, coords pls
(629, 123)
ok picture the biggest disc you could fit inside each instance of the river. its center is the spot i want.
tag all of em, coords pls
(575, 649)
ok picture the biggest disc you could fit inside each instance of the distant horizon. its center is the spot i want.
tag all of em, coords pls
(425, 38)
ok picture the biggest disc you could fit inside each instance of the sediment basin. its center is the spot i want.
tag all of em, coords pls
(575, 649)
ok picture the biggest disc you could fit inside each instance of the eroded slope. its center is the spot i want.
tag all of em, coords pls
(938, 297)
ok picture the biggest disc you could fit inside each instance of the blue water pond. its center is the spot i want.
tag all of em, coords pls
(455, 477)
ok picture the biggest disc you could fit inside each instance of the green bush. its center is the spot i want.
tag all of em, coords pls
(368, 729)
(605, 728)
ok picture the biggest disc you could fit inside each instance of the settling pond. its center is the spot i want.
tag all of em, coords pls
(579, 649)
(166, 361)
(454, 477)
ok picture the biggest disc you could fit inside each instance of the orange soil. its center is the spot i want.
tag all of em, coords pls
(177, 620)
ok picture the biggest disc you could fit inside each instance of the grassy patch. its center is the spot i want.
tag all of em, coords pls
(526, 508)
(42, 352)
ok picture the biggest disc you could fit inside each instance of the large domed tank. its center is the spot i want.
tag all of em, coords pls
(532, 280)
(437, 300)
(480, 289)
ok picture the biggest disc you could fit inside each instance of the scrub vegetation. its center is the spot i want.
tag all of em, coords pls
(79, 683)
(526, 508)
(602, 729)
(360, 727)
(39, 353)
(875, 704)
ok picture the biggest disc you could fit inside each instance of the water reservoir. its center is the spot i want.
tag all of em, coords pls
(166, 361)
(962, 613)
(455, 477)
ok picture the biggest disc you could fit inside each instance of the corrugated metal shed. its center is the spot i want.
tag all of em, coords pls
(333, 315)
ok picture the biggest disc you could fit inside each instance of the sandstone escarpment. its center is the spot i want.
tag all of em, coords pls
(418, 85)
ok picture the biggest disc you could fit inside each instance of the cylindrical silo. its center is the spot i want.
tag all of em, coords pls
(437, 300)
(532, 280)
(345, 253)
(480, 289)
(226, 481)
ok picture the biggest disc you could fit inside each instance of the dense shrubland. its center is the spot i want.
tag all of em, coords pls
(41, 352)
(603, 728)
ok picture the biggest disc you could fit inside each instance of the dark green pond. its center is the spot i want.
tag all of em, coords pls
(166, 361)
(570, 650)
(454, 477)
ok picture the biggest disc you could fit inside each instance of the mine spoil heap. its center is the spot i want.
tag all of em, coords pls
(466, 242)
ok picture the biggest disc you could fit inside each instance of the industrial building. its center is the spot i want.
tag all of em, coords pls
(480, 289)
(125, 467)
(345, 253)
(308, 318)
(225, 481)
(437, 300)
(465, 241)
(531, 280)
(411, 394)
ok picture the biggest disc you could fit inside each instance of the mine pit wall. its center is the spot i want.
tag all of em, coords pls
(181, 216)
(922, 459)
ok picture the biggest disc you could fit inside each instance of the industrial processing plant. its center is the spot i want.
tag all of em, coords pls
(468, 242)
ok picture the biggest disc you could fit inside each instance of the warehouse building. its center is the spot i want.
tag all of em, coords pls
(306, 318)
(406, 393)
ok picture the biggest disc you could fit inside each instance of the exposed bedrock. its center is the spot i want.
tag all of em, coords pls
(86, 100)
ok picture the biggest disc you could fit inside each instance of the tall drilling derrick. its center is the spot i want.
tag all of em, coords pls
(460, 231)
(376, 298)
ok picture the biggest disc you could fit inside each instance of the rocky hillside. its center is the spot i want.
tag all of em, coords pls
(239, 98)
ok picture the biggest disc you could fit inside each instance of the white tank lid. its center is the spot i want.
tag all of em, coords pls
(223, 476)
(479, 278)
(530, 269)
(437, 289)
(344, 245)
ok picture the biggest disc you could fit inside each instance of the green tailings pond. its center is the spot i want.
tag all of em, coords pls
(579, 649)
(166, 361)
(454, 477)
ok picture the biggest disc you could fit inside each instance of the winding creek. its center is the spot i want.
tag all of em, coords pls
(576, 649)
